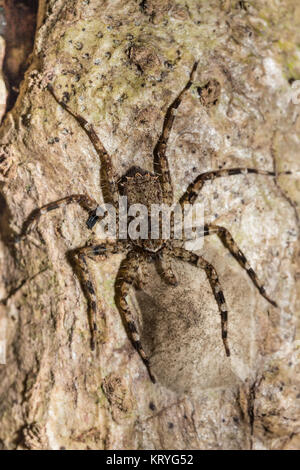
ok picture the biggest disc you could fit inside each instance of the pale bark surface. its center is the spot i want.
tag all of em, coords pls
(119, 64)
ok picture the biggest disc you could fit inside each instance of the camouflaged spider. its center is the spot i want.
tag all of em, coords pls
(143, 187)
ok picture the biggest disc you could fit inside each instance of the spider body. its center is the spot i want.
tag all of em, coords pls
(142, 187)
(147, 188)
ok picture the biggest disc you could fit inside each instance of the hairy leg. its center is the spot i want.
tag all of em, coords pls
(195, 187)
(142, 275)
(86, 202)
(105, 158)
(161, 166)
(212, 276)
(129, 277)
(164, 268)
(229, 243)
(97, 253)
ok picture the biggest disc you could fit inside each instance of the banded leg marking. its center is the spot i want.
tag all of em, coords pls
(86, 202)
(105, 158)
(195, 187)
(229, 243)
(165, 269)
(212, 276)
(161, 166)
(130, 275)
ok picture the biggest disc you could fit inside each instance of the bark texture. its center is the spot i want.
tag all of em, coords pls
(120, 64)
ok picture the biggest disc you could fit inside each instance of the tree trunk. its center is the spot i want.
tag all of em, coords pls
(119, 65)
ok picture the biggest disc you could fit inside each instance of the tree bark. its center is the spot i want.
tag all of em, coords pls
(119, 65)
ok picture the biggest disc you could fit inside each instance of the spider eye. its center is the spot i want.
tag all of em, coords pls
(92, 219)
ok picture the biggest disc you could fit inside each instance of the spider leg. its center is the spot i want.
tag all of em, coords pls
(105, 158)
(161, 166)
(97, 253)
(129, 277)
(164, 268)
(195, 187)
(212, 276)
(86, 202)
(229, 243)
(141, 276)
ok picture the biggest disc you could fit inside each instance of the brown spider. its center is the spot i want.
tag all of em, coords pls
(144, 187)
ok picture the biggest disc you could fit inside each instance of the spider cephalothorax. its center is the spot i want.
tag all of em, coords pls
(142, 187)
(148, 188)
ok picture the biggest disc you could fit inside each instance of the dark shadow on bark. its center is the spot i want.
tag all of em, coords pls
(18, 30)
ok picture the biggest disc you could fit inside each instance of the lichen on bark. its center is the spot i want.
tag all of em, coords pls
(119, 65)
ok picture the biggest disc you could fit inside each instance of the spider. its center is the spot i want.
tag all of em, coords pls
(141, 186)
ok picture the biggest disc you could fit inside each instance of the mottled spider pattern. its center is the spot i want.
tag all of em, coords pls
(146, 187)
